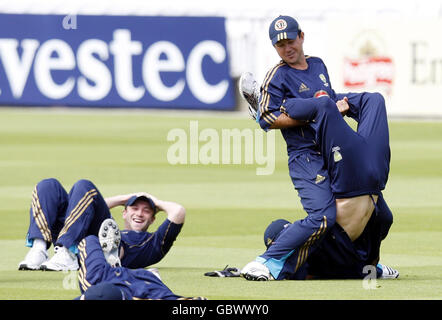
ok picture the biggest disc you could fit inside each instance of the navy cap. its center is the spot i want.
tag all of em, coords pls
(273, 230)
(103, 291)
(283, 27)
(132, 200)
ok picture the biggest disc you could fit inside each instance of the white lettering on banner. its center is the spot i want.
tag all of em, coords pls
(45, 62)
(17, 71)
(152, 66)
(95, 80)
(94, 70)
(200, 88)
(122, 47)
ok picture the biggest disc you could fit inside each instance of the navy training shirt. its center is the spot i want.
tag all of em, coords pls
(282, 82)
(142, 249)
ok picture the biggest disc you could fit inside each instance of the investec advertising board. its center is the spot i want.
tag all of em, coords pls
(115, 61)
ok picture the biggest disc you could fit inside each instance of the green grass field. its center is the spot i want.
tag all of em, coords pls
(228, 206)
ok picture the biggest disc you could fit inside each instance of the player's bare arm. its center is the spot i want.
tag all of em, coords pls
(118, 200)
(174, 211)
(284, 121)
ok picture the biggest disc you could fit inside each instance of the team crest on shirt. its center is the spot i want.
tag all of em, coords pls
(319, 178)
(337, 156)
(280, 24)
(323, 79)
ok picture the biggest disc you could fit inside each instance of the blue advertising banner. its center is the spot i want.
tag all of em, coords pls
(115, 61)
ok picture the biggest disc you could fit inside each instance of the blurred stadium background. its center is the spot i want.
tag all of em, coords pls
(91, 89)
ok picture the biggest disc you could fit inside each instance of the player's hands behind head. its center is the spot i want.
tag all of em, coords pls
(148, 195)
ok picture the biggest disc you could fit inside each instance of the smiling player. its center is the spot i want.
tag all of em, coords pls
(141, 248)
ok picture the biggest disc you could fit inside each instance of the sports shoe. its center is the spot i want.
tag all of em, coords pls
(34, 258)
(62, 260)
(256, 271)
(249, 90)
(110, 238)
(387, 272)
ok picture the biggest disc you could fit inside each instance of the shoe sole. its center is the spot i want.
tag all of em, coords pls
(28, 268)
(252, 277)
(251, 97)
(248, 96)
(109, 237)
(390, 277)
(242, 80)
(46, 268)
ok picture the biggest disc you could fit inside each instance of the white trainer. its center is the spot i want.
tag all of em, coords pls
(256, 271)
(110, 238)
(34, 258)
(249, 90)
(62, 260)
(388, 272)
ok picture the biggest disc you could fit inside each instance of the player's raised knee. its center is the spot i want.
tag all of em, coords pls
(48, 184)
(84, 184)
(376, 98)
(326, 105)
(326, 102)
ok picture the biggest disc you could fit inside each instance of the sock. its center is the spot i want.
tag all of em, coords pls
(39, 244)
(379, 270)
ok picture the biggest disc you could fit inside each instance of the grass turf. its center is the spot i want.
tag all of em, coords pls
(228, 206)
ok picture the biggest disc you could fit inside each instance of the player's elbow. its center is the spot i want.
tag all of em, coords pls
(178, 215)
(182, 213)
